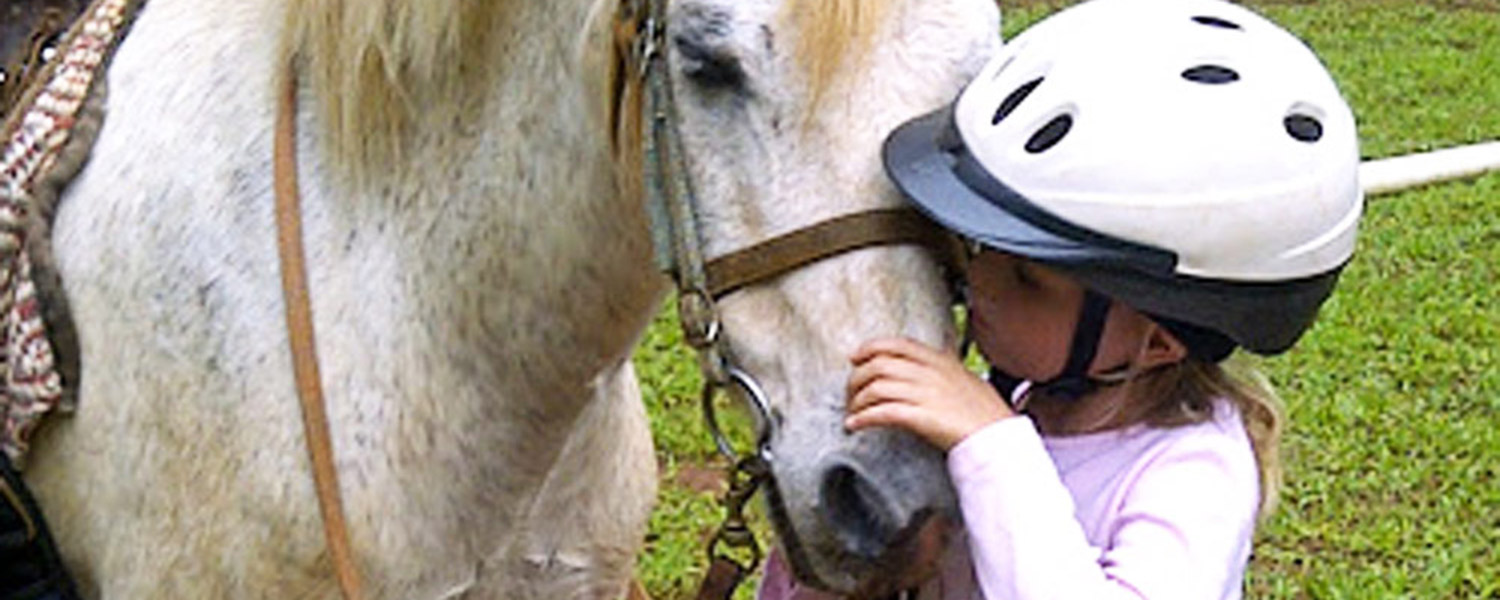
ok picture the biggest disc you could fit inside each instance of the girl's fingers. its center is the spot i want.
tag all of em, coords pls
(884, 391)
(890, 414)
(883, 367)
(924, 421)
(897, 382)
(896, 346)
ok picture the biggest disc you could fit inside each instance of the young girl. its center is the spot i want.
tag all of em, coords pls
(1149, 184)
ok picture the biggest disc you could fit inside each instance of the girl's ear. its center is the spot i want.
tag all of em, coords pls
(1159, 348)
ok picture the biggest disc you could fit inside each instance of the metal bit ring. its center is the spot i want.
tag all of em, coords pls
(759, 403)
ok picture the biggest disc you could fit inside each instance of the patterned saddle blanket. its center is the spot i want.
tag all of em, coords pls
(29, 33)
(46, 136)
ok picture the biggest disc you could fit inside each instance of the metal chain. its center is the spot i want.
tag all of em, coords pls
(675, 234)
(734, 534)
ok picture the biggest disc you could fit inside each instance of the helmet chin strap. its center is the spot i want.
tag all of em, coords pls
(1074, 381)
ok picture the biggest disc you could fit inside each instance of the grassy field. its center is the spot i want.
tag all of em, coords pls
(1393, 399)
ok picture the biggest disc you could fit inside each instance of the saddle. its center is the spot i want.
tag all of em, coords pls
(44, 143)
(28, 29)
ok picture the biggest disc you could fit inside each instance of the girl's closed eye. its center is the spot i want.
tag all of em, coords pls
(1022, 274)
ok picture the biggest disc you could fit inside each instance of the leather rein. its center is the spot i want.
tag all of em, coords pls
(303, 343)
(670, 203)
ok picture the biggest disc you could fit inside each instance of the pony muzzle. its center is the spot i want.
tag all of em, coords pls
(881, 537)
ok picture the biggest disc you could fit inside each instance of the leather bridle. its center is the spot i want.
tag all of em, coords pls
(670, 203)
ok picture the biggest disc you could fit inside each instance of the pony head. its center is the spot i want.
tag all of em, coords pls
(783, 105)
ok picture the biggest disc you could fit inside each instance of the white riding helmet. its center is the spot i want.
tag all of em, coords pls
(1186, 157)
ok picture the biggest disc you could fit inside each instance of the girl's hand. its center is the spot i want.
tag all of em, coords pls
(898, 382)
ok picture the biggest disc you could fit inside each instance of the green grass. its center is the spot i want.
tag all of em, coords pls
(1393, 400)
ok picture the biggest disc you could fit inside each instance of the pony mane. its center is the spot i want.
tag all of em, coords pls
(376, 66)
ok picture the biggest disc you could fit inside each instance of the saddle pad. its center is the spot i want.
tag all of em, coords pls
(35, 135)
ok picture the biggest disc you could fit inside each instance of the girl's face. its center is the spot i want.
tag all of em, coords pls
(1022, 316)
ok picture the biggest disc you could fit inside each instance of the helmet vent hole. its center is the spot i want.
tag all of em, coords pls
(1211, 74)
(1216, 22)
(1050, 134)
(1014, 99)
(1304, 128)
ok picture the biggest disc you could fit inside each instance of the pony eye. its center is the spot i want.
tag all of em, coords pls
(709, 67)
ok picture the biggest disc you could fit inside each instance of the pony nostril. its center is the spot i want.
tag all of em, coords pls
(862, 517)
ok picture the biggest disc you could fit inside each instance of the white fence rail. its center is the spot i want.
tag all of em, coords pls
(1390, 175)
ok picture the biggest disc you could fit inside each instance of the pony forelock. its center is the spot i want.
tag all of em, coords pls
(832, 37)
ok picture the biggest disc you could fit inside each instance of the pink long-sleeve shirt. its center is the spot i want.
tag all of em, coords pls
(1140, 512)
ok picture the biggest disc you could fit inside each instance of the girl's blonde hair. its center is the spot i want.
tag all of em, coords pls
(1184, 393)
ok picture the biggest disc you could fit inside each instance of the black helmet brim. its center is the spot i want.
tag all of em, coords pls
(929, 163)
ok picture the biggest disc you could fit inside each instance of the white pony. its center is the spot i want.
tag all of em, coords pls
(480, 271)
